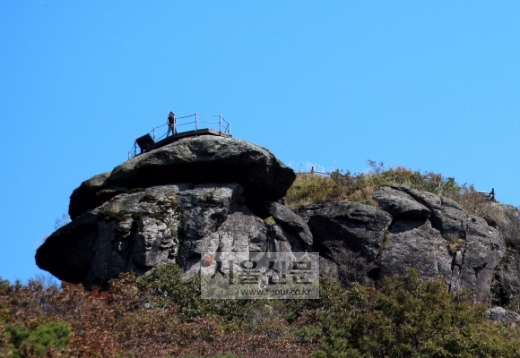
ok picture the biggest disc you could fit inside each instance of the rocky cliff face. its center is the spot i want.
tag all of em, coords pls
(208, 194)
(195, 196)
(413, 229)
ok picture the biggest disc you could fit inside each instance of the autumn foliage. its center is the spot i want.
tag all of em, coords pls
(160, 315)
(130, 320)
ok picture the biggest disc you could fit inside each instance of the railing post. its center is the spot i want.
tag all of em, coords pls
(196, 121)
(153, 133)
(220, 124)
(129, 154)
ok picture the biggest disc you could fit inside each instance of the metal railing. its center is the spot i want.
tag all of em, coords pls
(314, 172)
(196, 120)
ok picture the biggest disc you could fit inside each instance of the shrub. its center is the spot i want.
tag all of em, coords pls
(35, 343)
(160, 315)
(316, 189)
(413, 318)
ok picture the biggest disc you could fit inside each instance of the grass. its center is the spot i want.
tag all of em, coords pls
(317, 189)
(455, 244)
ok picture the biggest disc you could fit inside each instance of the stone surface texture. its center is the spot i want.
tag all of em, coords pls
(501, 315)
(348, 234)
(138, 231)
(292, 222)
(400, 204)
(460, 247)
(203, 159)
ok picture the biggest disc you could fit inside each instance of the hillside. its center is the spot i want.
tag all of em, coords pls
(409, 263)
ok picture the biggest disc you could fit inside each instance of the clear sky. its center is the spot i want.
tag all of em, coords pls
(430, 85)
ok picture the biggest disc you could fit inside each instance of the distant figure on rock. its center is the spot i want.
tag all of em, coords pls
(491, 195)
(171, 124)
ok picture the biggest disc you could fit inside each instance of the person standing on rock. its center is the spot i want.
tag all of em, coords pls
(171, 124)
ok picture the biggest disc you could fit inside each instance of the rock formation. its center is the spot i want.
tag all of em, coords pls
(413, 229)
(204, 159)
(173, 204)
(210, 194)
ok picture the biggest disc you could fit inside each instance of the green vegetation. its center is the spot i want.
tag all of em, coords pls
(148, 199)
(109, 215)
(35, 342)
(136, 190)
(409, 318)
(270, 221)
(316, 189)
(455, 244)
(160, 315)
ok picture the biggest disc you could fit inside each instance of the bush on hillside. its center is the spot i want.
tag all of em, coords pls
(410, 318)
(27, 341)
(317, 189)
(159, 315)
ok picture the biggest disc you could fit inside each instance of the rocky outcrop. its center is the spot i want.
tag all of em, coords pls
(400, 205)
(292, 222)
(351, 235)
(503, 316)
(344, 225)
(92, 193)
(173, 223)
(412, 229)
(201, 197)
(460, 247)
(138, 231)
(204, 159)
(417, 244)
(506, 285)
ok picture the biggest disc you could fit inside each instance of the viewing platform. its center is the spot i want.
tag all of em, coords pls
(149, 142)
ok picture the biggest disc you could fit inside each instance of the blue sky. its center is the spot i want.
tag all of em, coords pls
(430, 85)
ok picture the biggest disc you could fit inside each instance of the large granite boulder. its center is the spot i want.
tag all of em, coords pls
(344, 225)
(140, 230)
(287, 219)
(413, 243)
(413, 229)
(348, 234)
(503, 316)
(506, 285)
(400, 205)
(201, 197)
(462, 248)
(203, 159)
(92, 193)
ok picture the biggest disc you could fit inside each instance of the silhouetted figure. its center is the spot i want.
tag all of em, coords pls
(171, 124)
(492, 195)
